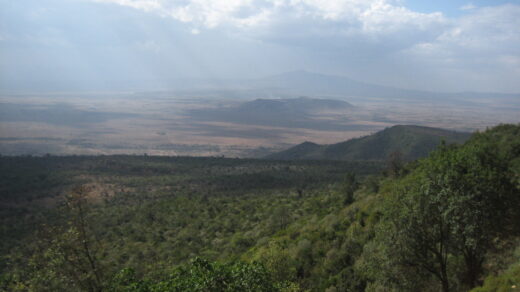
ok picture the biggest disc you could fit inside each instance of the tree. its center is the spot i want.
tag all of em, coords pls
(280, 218)
(472, 187)
(350, 185)
(394, 164)
(413, 236)
(201, 275)
(278, 261)
(69, 255)
(449, 210)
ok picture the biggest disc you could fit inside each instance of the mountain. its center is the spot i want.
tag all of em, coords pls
(411, 141)
(315, 83)
(282, 112)
(294, 105)
(309, 83)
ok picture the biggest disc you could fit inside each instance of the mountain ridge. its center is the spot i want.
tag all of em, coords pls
(411, 141)
(318, 83)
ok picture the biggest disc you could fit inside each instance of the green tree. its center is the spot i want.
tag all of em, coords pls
(278, 261)
(281, 217)
(394, 164)
(201, 275)
(349, 186)
(68, 257)
(450, 210)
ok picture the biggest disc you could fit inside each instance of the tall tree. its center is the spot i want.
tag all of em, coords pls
(450, 210)
(69, 255)
(349, 186)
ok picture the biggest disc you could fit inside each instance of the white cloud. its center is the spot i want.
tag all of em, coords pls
(481, 47)
(486, 32)
(371, 16)
(201, 13)
(363, 33)
(369, 19)
(356, 26)
(146, 5)
(468, 6)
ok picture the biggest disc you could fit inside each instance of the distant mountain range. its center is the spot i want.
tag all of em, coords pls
(412, 142)
(288, 84)
(304, 82)
(301, 82)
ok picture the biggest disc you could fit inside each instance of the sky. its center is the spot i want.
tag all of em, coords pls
(444, 45)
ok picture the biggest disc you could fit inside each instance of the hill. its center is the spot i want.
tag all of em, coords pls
(411, 141)
(291, 105)
(279, 112)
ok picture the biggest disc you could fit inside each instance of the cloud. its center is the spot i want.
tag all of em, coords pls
(202, 13)
(468, 6)
(481, 48)
(487, 33)
(146, 5)
(380, 41)
(361, 27)
(369, 16)
(343, 23)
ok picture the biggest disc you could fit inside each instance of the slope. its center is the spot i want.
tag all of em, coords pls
(410, 141)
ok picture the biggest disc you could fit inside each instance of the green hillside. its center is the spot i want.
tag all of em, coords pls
(412, 142)
(298, 152)
(449, 222)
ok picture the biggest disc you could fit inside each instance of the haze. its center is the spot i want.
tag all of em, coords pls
(93, 45)
(248, 78)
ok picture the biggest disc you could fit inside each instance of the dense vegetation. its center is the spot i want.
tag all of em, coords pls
(449, 222)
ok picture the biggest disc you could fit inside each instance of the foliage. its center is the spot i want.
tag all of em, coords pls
(446, 215)
(509, 281)
(507, 275)
(144, 223)
(201, 275)
(148, 214)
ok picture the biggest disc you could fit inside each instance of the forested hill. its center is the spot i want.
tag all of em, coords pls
(411, 142)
